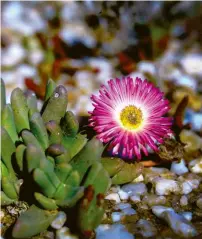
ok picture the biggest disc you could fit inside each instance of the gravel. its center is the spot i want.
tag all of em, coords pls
(135, 188)
(116, 231)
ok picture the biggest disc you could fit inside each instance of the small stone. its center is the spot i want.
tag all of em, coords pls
(135, 198)
(186, 80)
(123, 195)
(146, 228)
(199, 203)
(158, 210)
(122, 206)
(178, 223)
(187, 215)
(186, 188)
(64, 233)
(13, 55)
(183, 201)
(179, 167)
(135, 188)
(166, 186)
(192, 64)
(196, 121)
(189, 185)
(146, 66)
(59, 221)
(113, 196)
(116, 216)
(116, 231)
(128, 211)
(153, 200)
(195, 165)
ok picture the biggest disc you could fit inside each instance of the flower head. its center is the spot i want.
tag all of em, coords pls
(129, 113)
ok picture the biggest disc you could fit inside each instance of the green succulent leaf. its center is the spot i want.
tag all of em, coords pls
(20, 110)
(50, 87)
(38, 128)
(32, 222)
(56, 105)
(3, 94)
(8, 122)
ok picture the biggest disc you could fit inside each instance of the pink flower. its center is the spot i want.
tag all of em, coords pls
(129, 113)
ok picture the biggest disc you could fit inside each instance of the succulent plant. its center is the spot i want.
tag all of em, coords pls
(45, 156)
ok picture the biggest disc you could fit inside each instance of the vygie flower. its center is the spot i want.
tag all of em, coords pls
(129, 113)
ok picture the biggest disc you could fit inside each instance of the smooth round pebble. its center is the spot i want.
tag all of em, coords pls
(113, 196)
(189, 185)
(166, 186)
(123, 195)
(116, 231)
(158, 210)
(59, 221)
(64, 233)
(122, 206)
(135, 188)
(187, 215)
(128, 211)
(179, 167)
(116, 216)
(135, 198)
(183, 201)
(195, 165)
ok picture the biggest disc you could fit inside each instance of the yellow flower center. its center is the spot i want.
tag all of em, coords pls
(131, 117)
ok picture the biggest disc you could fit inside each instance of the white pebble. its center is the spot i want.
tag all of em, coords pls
(158, 210)
(179, 167)
(135, 188)
(189, 185)
(116, 216)
(135, 198)
(187, 215)
(166, 186)
(183, 201)
(116, 231)
(64, 233)
(13, 54)
(195, 165)
(59, 221)
(186, 188)
(128, 211)
(186, 80)
(192, 64)
(122, 206)
(114, 197)
(178, 223)
(123, 195)
(146, 66)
